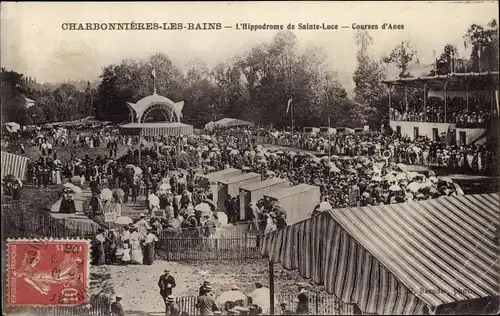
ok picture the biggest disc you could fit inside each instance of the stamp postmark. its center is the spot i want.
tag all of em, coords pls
(47, 272)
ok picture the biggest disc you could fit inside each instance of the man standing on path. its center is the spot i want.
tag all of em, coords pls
(206, 303)
(116, 307)
(166, 284)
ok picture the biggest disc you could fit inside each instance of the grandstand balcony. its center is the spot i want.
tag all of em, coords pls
(459, 107)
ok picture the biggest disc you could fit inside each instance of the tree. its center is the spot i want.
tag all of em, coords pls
(402, 56)
(369, 91)
(484, 42)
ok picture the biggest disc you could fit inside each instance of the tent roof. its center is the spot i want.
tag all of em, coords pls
(231, 121)
(291, 191)
(263, 184)
(239, 178)
(396, 259)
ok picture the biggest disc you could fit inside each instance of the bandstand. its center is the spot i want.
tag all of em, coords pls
(156, 115)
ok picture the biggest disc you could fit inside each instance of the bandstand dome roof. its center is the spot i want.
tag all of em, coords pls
(154, 99)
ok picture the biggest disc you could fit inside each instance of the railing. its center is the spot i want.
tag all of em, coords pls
(214, 249)
(96, 308)
(319, 304)
(25, 224)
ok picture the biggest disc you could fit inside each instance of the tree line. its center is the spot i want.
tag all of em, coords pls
(254, 86)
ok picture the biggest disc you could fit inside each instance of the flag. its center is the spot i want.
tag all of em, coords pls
(153, 73)
(435, 60)
(288, 106)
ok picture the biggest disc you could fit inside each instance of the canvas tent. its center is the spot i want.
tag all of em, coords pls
(12, 127)
(231, 122)
(400, 258)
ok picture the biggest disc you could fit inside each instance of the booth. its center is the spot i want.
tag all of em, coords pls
(298, 201)
(231, 187)
(255, 191)
(210, 181)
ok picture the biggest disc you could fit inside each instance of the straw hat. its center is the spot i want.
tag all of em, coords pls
(170, 298)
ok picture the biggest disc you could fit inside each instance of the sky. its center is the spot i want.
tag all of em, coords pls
(34, 43)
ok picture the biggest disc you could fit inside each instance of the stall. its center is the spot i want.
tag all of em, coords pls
(298, 202)
(210, 181)
(255, 191)
(230, 187)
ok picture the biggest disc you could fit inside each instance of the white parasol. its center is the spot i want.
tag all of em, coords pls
(325, 206)
(203, 207)
(377, 179)
(124, 220)
(230, 296)
(414, 186)
(106, 194)
(394, 187)
(153, 200)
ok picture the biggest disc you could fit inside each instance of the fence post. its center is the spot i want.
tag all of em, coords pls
(317, 303)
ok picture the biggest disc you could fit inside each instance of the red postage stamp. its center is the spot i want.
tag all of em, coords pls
(47, 272)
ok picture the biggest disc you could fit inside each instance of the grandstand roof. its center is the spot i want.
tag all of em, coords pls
(458, 80)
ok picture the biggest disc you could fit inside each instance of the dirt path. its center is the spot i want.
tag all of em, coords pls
(138, 283)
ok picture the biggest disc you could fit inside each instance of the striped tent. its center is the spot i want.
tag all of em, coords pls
(398, 258)
(15, 165)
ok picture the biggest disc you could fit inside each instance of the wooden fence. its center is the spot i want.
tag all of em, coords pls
(30, 224)
(214, 249)
(319, 304)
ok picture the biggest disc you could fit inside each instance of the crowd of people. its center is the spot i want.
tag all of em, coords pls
(470, 158)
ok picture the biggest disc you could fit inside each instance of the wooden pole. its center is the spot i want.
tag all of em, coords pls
(425, 102)
(389, 87)
(271, 286)
(445, 100)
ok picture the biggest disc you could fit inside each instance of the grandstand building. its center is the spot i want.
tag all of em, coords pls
(463, 107)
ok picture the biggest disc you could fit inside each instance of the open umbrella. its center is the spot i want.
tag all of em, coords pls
(153, 200)
(401, 176)
(222, 217)
(325, 206)
(230, 296)
(119, 194)
(377, 179)
(76, 189)
(394, 187)
(124, 220)
(414, 186)
(204, 208)
(68, 185)
(106, 194)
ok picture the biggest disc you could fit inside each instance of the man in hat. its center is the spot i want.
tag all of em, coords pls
(166, 283)
(171, 308)
(202, 287)
(302, 299)
(116, 307)
(206, 302)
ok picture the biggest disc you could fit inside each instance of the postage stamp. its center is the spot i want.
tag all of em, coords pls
(48, 272)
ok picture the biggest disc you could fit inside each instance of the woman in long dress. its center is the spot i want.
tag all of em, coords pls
(149, 247)
(136, 249)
